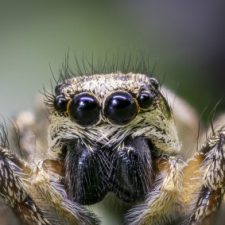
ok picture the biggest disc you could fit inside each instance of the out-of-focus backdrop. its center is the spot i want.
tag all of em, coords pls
(184, 41)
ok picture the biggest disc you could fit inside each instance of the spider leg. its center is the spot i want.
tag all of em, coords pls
(192, 190)
(13, 193)
(162, 204)
(213, 180)
(48, 190)
(36, 195)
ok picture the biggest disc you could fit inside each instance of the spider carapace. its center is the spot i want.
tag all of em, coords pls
(113, 133)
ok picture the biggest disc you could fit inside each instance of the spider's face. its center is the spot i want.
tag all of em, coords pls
(109, 126)
(106, 109)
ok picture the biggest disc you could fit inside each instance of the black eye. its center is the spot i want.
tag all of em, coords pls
(154, 83)
(120, 108)
(145, 99)
(60, 103)
(84, 109)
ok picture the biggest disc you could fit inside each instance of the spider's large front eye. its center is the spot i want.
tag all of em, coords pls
(145, 99)
(120, 108)
(84, 109)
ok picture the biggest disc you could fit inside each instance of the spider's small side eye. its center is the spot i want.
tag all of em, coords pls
(120, 108)
(154, 83)
(60, 103)
(84, 109)
(57, 89)
(145, 99)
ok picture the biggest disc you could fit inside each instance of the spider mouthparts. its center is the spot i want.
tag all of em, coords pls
(125, 171)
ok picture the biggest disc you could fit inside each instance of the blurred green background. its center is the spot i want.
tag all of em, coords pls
(184, 41)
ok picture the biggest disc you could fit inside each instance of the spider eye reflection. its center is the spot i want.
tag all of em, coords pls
(84, 109)
(120, 108)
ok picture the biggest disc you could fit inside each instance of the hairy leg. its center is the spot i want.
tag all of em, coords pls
(36, 192)
(13, 193)
(162, 203)
(213, 175)
(192, 190)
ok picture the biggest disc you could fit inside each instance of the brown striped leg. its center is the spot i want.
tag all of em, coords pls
(47, 189)
(213, 175)
(37, 195)
(192, 190)
(12, 192)
(162, 204)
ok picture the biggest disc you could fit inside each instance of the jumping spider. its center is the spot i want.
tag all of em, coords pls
(111, 133)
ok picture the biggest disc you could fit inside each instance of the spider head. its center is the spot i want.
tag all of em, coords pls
(108, 127)
(106, 109)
